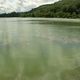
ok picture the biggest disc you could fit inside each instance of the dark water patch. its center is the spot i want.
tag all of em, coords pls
(73, 74)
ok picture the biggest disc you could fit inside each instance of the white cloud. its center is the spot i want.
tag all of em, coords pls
(21, 5)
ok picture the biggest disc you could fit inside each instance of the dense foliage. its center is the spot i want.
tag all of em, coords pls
(62, 8)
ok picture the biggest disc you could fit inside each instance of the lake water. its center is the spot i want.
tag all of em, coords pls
(39, 49)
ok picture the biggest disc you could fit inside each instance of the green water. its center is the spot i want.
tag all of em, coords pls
(39, 49)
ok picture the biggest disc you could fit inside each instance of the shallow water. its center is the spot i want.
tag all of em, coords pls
(39, 49)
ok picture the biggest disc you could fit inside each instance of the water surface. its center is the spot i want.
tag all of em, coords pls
(39, 49)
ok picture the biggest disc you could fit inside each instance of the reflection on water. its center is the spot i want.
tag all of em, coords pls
(39, 49)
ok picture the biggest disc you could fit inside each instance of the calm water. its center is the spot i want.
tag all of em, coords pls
(39, 49)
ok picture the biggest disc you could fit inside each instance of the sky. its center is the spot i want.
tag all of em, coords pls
(7, 6)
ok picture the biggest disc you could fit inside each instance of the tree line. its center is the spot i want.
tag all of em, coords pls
(60, 9)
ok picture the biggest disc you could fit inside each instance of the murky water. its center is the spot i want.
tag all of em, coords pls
(39, 49)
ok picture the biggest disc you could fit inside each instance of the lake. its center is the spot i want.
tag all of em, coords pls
(39, 49)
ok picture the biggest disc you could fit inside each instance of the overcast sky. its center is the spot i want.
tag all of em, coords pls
(21, 5)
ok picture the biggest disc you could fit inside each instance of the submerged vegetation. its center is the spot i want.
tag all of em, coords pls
(62, 8)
